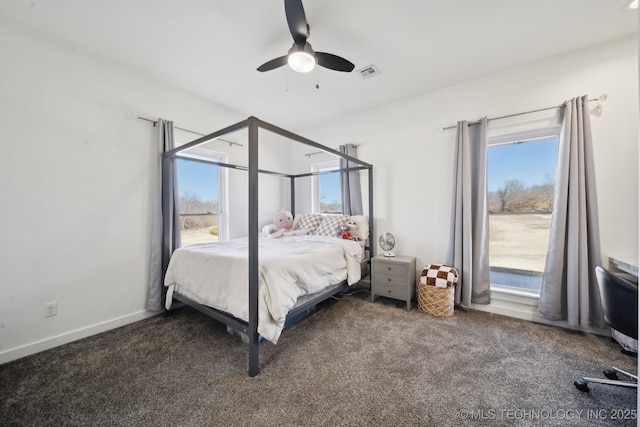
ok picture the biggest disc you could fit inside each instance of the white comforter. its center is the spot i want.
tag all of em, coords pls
(217, 275)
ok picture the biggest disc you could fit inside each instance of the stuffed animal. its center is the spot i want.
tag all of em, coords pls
(283, 220)
(344, 232)
(282, 226)
(355, 230)
(350, 231)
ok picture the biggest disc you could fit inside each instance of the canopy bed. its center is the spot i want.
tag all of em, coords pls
(255, 284)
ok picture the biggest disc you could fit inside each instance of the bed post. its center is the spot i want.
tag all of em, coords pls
(254, 349)
(293, 196)
(372, 240)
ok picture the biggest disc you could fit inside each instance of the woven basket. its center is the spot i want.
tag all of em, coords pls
(436, 301)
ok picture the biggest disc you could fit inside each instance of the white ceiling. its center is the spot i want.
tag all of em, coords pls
(213, 47)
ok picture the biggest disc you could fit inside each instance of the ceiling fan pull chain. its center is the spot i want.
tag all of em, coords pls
(317, 78)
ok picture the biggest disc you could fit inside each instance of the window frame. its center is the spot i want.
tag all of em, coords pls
(318, 168)
(212, 157)
(531, 135)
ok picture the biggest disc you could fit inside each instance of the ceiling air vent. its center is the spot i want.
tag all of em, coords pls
(369, 71)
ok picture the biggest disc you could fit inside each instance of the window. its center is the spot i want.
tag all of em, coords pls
(201, 187)
(520, 179)
(327, 191)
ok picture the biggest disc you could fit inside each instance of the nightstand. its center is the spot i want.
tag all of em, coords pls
(393, 277)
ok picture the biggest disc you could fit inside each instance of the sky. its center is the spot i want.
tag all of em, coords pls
(532, 163)
(330, 188)
(198, 178)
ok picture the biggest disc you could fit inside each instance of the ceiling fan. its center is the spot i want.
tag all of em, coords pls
(301, 57)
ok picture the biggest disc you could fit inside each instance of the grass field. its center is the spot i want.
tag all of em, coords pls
(519, 241)
(194, 236)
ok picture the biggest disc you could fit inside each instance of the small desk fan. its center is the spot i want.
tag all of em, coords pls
(387, 242)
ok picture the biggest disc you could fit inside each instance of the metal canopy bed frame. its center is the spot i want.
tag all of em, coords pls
(253, 125)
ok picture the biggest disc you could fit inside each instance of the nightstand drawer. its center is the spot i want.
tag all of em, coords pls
(390, 268)
(389, 291)
(387, 279)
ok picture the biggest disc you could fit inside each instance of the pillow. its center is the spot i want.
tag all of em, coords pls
(363, 225)
(308, 221)
(331, 225)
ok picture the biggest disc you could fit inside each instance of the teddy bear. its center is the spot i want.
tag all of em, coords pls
(282, 226)
(344, 232)
(350, 231)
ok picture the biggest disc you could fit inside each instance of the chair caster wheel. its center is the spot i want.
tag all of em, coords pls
(581, 385)
(611, 374)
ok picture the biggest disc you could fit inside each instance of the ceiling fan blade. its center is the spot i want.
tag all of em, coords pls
(334, 62)
(296, 20)
(273, 64)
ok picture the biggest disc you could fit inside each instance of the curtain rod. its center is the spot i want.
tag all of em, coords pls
(190, 131)
(323, 152)
(602, 97)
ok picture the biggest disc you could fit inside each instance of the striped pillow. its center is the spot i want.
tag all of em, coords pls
(308, 221)
(331, 225)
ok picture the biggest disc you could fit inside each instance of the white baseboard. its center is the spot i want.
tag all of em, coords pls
(67, 337)
(525, 307)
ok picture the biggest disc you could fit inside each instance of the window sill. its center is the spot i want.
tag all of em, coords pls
(508, 293)
(523, 304)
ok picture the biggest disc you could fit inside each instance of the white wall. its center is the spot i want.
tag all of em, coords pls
(412, 158)
(76, 177)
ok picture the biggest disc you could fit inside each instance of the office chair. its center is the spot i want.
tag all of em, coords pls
(620, 306)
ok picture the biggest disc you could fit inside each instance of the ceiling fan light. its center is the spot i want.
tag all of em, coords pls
(633, 4)
(301, 60)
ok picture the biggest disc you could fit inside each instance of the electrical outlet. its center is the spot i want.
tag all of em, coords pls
(50, 309)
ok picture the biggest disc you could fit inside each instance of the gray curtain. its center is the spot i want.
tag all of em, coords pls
(569, 288)
(165, 186)
(469, 250)
(350, 183)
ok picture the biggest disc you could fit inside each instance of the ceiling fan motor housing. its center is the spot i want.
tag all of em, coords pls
(301, 58)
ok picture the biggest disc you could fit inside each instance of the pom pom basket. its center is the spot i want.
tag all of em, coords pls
(434, 300)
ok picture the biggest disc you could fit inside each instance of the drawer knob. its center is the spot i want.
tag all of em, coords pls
(389, 290)
(389, 279)
(388, 268)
